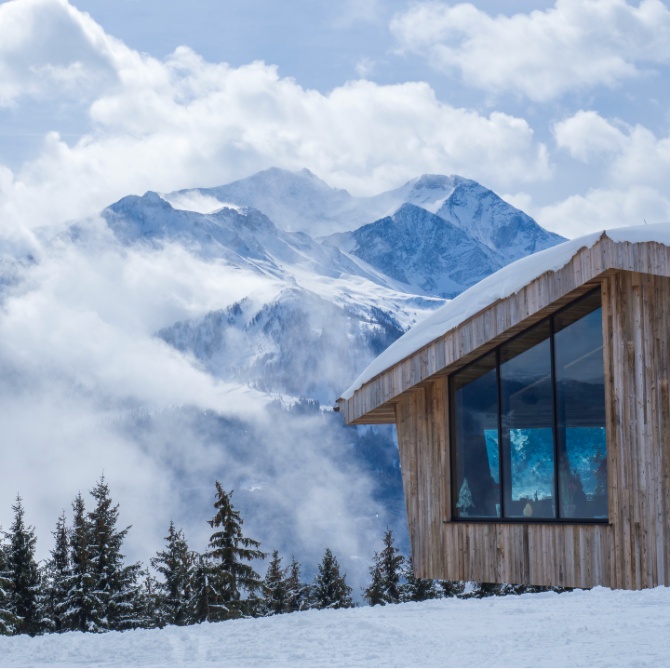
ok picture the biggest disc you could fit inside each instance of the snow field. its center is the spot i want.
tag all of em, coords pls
(598, 628)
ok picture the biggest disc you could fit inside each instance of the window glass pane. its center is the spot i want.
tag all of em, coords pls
(528, 425)
(580, 388)
(475, 429)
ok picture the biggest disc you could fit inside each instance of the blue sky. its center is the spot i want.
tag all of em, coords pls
(561, 107)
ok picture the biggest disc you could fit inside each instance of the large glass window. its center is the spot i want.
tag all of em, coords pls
(528, 423)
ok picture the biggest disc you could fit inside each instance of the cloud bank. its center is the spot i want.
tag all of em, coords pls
(180, 122)
(543, 54)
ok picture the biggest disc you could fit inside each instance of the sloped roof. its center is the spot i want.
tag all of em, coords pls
(495, 288)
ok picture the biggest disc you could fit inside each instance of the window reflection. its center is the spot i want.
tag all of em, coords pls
(580, 388)
(476, 427)
(528, 423)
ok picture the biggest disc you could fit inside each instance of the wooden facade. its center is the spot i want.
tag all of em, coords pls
(632, 550)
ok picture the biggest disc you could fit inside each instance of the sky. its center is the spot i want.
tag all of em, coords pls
(560, 107)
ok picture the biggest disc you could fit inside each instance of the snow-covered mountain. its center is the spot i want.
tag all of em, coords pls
(421, 250)
(436, 234)
(294, 201)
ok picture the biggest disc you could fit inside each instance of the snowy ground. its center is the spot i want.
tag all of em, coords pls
(596, 628)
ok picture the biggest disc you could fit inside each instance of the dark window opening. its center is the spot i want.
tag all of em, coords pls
(528, 424)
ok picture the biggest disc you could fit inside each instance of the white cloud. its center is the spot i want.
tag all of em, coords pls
(628, 155)
(542, 54)
(604, 208)
(588, 135)
(185, 122)
(49, 48)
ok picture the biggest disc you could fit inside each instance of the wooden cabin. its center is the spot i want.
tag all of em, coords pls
(533, 419)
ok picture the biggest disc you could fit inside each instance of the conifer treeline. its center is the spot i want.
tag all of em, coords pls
(87, 586)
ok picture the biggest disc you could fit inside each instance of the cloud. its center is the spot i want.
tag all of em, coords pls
(587, 135)
(543, 54)
(602, 208)
(86, 388)
(49, 48)
(182, 122)
(627, 154)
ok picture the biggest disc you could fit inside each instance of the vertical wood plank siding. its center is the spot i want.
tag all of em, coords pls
(633, 550)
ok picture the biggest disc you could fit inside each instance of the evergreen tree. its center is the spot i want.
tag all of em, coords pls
(56, 578)
(415, 589)
(7, 617)
(386, 573)
(330, 589)
(275, 587)
(175, 565)
(230, 552)
(80, 603)
(114, 584)
(148, 605)
(297, 592)
(203, 603)
(374, 593)
(24, 573)
(452, 589)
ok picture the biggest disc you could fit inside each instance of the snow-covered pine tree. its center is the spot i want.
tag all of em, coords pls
(386, 573)
(275, 588)
(202, 606)
(375, 591)
(148, 603)
(55, 579)
(80, 602)
(452, 589)
(175, 565)
(234, 579)
(24, 573)
(297, 592)
(114, 584)
(7, 617)
(415, 589)
(330, 589)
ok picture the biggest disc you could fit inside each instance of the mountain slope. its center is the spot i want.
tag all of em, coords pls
(422, 250)
(487, 218)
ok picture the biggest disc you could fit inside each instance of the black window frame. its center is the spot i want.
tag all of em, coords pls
(558, 520)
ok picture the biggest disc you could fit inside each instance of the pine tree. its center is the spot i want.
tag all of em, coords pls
(330, 589)
(55, 580)
(148, 605)
(7, 616)
(80, 602)
(24, 573)
(203, 603)
(375, 591)
(175, 564)
(386, 573)
(229, 553)
(297, 592)
(114, 584)
(416, 589)
(275, 587)
(452, 589)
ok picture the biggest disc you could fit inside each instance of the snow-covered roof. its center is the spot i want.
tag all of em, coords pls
(499, 285)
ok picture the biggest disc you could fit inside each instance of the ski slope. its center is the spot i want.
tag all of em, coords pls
(584, 628)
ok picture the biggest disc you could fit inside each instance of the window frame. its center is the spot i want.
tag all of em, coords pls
(558, 520)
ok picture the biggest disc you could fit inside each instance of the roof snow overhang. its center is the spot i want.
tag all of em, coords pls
(497, 308)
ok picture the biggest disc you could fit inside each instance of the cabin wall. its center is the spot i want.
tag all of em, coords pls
(636, 311)
(632, 551)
